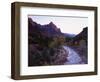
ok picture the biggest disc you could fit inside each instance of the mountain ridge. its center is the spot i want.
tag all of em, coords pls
(51, 30)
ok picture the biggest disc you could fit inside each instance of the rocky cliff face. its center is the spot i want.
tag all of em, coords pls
(81, 36)
(48, 30)
(43, 45)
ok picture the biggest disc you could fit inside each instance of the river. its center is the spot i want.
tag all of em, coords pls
(73, 56)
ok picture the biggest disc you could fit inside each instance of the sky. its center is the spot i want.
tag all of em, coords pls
(72, 25)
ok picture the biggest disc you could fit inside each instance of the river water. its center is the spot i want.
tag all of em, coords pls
(73, 56)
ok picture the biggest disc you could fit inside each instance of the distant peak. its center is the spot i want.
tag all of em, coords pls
(31, 20)
(85, 29)
(51, 23)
